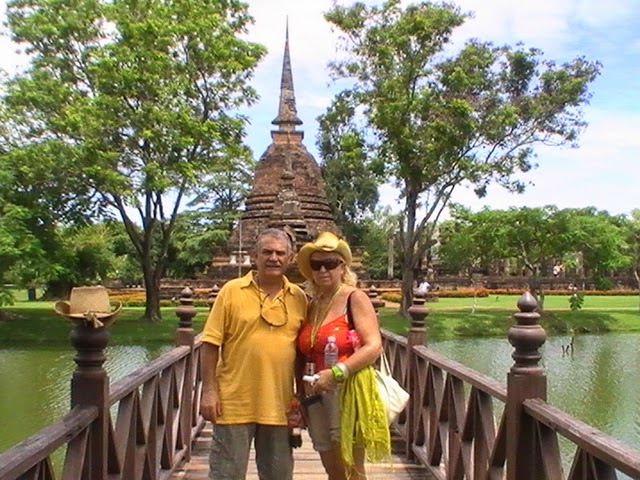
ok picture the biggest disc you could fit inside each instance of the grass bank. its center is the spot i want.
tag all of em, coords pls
(35, 323)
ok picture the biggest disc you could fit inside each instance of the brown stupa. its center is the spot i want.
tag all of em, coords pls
(288, 191)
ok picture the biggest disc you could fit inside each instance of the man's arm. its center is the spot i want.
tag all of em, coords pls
(210, 403)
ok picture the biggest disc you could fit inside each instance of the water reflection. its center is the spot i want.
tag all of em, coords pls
(35, 384)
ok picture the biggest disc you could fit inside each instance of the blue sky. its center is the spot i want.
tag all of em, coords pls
(603, 172)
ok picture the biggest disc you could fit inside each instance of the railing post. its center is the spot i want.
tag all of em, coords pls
(372, 293)
(525, 380)
(185, 336)
(185, 312)
(213, 294)
(417, 336)
(90, 387)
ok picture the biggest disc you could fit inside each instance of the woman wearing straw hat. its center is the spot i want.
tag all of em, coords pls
(350, 420)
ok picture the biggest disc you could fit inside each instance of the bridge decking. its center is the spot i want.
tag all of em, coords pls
(307, 463)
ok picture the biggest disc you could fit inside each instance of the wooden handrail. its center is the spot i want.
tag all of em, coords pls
(478, 380)
(598, 444)
(37, 448)
(125, 385)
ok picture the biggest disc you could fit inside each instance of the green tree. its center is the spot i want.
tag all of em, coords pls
(200, 231)
(381, 227)
(600, 239)
(440, 120)
(533, 236)
(133, 104)
(634, 247)
(351, 176)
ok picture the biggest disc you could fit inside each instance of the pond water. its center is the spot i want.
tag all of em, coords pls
(35, 383)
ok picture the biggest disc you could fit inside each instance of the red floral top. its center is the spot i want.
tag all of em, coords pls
(339, 328)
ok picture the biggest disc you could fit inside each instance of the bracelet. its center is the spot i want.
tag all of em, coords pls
(338, 374)
(345, 370)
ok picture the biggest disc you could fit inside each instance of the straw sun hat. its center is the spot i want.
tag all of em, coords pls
(86, 303)
(326, 242)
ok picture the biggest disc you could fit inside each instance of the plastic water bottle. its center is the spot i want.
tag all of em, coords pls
(330, 352)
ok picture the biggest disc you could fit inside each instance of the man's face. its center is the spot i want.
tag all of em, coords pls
(272, 257)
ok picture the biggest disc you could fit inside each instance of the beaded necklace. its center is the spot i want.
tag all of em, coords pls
(320, 313)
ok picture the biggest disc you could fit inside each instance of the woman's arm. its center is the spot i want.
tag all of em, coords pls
(365, 321)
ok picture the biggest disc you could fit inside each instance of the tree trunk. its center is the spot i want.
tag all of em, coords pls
(637, 276)
(536, 290)
(407, 286)
(151, 276)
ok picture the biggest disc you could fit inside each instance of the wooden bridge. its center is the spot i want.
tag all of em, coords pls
(459, 424)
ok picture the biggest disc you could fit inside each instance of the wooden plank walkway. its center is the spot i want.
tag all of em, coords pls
(307, 463)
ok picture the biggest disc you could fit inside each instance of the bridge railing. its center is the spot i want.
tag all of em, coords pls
(152, 431)
(461, 424)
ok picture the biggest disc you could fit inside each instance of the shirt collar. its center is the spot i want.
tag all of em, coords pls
(247, 281)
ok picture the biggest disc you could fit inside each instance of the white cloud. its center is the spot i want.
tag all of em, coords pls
(603, 172)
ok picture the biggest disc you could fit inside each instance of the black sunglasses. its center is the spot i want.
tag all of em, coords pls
(327, 263)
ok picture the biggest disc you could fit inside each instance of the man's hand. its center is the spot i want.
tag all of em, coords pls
(210, 407)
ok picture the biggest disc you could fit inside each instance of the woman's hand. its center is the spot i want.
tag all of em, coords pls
(325, 382)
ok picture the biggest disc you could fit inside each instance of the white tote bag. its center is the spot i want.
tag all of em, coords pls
(394, 397)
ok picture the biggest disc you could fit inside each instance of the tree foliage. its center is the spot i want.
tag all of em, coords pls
(351, 176)
(441, 119)
(536, 238)
(131, 106)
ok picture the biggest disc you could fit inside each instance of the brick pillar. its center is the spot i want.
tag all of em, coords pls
(417, 336)
(525, 380)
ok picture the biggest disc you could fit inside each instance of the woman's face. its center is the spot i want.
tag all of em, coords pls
(327, 268)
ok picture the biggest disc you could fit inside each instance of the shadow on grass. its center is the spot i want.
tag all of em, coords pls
(556, 323)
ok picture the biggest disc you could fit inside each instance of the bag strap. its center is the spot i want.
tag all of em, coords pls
(350, 313)
(384, 366)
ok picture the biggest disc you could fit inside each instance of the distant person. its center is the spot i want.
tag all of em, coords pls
(338, 427)
(424, 287)
(247, 359)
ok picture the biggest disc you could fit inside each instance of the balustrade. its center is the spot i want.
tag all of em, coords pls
(156, 422)
(458, 423)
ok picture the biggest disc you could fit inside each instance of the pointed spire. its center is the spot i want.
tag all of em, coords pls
(287, 117)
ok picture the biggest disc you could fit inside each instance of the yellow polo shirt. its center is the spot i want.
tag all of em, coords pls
(256, 361)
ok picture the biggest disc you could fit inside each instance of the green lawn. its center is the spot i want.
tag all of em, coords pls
(36, 322)
(492, 316)
(552, 302)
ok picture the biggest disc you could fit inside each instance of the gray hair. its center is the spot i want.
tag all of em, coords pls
(274, 233)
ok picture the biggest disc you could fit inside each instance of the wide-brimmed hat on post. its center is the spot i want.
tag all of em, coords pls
(326, 242)
(87, 303)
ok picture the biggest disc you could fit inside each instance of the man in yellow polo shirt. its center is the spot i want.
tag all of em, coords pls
(248, 357)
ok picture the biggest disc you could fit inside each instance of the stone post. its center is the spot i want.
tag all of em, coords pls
(525, 380)
(90, 387)
(417, 336)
